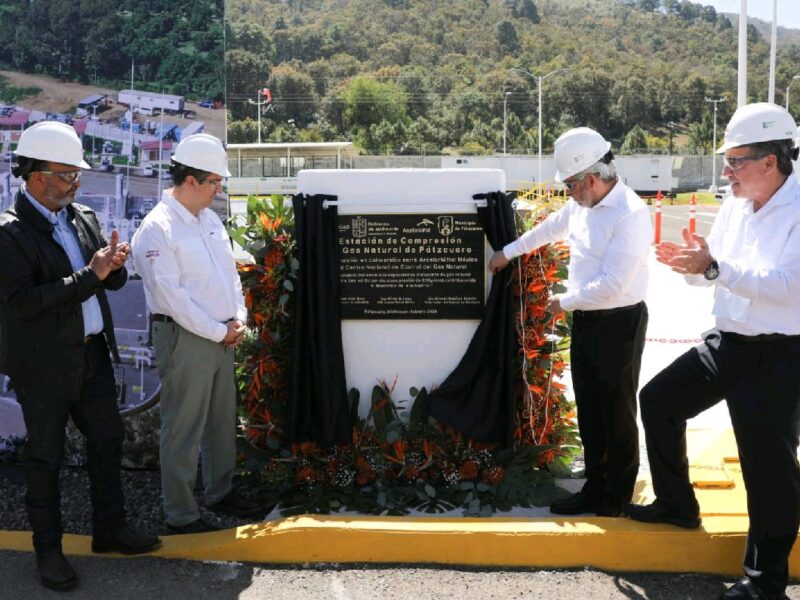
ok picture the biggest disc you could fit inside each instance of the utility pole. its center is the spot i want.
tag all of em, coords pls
(713, 187)
(741, 97)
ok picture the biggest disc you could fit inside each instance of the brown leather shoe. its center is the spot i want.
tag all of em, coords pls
(125, 541)
(55, 572)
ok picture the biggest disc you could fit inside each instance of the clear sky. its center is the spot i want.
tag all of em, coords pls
(788, 10)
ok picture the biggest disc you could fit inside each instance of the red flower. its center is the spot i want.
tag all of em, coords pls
(469, 470)
(495, 474)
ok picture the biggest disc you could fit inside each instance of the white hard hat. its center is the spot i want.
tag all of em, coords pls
(758, 122)
(578, 149)
(53, 142)
(204, 152)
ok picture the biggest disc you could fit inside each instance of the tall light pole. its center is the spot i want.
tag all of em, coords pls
(539, 79)
(505, 120)
(264, 97)
(713, 187)
(787, 90)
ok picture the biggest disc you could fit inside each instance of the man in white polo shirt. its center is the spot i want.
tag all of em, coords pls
(194, 295)
(609, 233)
(752, 356)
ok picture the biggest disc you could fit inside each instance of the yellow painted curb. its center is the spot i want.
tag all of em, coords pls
(613, 544)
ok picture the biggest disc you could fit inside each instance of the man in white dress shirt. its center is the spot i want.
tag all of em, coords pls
(752, 356)
(609, 233)
(194, 295)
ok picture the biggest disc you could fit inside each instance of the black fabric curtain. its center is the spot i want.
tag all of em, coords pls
(318, 408)
(477, 398)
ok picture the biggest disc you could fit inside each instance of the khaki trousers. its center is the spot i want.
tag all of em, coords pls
(198, 416)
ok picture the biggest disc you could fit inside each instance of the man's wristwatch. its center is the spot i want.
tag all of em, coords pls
(712, 271)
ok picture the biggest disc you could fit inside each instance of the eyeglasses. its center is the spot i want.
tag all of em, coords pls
(734, 163)
(214, 182)
(570, 185)
(65, 176)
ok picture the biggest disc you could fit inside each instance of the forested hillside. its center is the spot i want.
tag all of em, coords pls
(411, 76)
(177, 45)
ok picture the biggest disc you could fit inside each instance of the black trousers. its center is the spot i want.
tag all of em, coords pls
(606, 357)
(90, 400)
(761, 384)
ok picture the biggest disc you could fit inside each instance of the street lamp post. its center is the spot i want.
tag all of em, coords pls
(671, 127)
(505, 120)
(713, 187)
(787, 90)
(539, 79)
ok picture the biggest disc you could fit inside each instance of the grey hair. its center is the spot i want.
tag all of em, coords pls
(607, 171)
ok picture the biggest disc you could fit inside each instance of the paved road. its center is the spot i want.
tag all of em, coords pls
(140, 578)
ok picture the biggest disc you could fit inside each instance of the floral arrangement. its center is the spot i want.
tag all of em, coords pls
(398, 459)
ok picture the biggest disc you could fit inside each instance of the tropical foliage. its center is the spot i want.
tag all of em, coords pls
(398, 459)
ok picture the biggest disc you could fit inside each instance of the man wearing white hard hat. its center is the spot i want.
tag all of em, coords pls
(57, 336)
(194, 295)
(609, 233)
(752, 356)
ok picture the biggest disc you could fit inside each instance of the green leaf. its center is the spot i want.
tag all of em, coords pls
(430, 490)
(288, 285)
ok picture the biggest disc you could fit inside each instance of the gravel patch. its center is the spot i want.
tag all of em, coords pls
(142, 489)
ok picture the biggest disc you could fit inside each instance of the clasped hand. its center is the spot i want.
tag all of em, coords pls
(234, 335)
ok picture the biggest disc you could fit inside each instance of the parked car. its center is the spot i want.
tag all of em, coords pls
(106, 165)
(722, 192)
(206, 104)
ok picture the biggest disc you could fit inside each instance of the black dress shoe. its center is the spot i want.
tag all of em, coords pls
(125, 541)
(746, 589)
(658, 512)
(55, 572)
(611, 509)
(577, 504)
(236, 505)
(198, 526)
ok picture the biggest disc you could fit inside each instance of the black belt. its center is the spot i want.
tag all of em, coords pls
(94, 338)
(604, 312)
(758, 339)
(156, 317)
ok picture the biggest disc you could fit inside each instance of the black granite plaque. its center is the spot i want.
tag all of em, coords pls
(420, 266)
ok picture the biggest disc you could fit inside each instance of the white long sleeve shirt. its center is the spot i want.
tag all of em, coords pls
(187, 267)
(758, 288)
(608, 244)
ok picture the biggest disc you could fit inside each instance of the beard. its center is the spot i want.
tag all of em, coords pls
(60, 199)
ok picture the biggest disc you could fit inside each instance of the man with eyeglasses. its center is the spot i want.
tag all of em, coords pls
(194, 295)
(57, 335)
(752, 356)
(609, 233)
